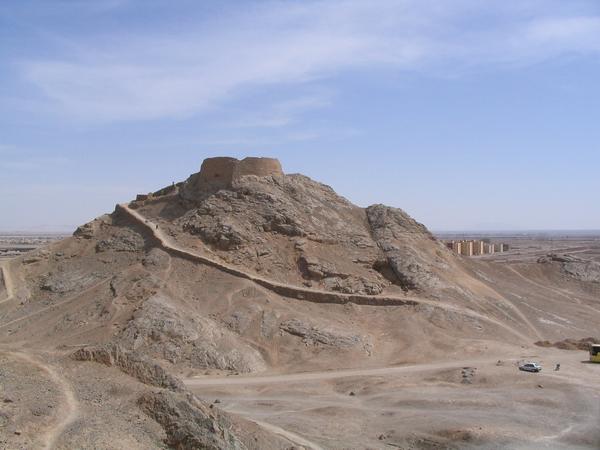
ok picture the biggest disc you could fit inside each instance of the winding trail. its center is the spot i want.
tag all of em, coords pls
(71, 405)
(299, 293)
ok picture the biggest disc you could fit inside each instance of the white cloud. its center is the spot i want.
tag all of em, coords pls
(282, 113)
(569, 33)
(158, 75)
(32, 163)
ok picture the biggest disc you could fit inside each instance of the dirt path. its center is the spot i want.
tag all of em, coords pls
(70, 408)
(292, 437)
(563, 293)
(312, 295)
(54, 306)
(331, 374)
(8, 284)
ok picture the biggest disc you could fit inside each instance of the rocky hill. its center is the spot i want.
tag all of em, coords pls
(295, 230)
(242, 269)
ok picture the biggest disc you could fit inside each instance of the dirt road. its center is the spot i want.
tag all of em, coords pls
(330, 374)
(380, 407)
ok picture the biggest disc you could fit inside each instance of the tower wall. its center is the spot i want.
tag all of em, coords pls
(218, 172)
(261, 167)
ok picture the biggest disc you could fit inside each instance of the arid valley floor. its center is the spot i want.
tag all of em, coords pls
(264, 311)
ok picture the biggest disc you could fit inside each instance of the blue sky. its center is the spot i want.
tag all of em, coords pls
(467, 114)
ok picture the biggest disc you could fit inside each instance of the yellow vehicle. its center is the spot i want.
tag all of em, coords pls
(595, 353)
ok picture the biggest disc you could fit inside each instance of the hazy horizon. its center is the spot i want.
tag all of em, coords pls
(467, 115)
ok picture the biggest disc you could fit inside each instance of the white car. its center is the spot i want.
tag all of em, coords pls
(530, 367)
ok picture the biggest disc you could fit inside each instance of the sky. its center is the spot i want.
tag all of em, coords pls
(467, 114)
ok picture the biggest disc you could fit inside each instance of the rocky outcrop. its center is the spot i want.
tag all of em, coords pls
(188, 423)
(316, 269)
(90, 229)
(314, 335)
(160, 330)
(580, 269)
(124, 240)
(292, 206)
(64, 282)
(570, 344)
(139, 367)
(279, 223)
(405, 243)
(354, 285)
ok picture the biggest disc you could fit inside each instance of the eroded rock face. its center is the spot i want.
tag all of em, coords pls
(580, 269)
(404, 243)
(314, 268)
(188, 423)
(290, 223)
(139, 367)
(124, 240)
(313, 335)
(160, 330)
(292, 207)
(68, 281)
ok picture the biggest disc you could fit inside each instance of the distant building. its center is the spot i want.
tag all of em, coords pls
(467, 248)
(457, 247)
(478, 248)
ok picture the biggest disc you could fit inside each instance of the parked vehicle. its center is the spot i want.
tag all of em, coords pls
(595, 353)
(530, 367)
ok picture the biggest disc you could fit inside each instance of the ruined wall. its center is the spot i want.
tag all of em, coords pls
(260, 167)
(218, 172)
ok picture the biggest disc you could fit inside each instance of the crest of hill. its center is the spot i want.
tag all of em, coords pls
(295, 230)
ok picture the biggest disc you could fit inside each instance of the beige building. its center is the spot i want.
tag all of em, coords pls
(467, 248)
(475, 247)
(457, 247)
(478, 248)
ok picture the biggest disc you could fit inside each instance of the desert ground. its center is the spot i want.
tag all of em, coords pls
(264, 311)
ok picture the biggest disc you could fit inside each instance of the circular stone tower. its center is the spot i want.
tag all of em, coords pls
(221, 173)
(218, 172)
(260, 167)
